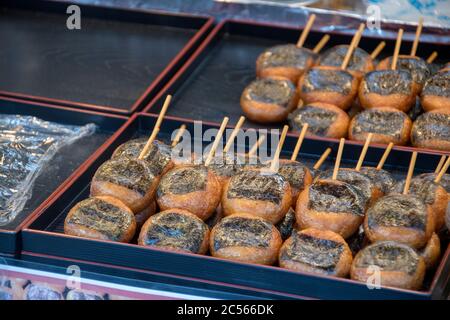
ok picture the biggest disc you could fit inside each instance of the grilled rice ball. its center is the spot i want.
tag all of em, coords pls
(431, 130)
(258, 193)
(418, 68)
(316, 251)
(400, 217)
(358, 180)
(245, 238)
(381, 179)
(194, 188)
(387, 88)
(103, 218)
(359, 64)
(331, 205)
(385, 123)
(159, 155)
(269, 100)
(436, 91)
(284, 61)
(431, 194)
(400, 266)
(431, 176)
(175, 230)
(323, 119)
(224, 167)
(328, 85)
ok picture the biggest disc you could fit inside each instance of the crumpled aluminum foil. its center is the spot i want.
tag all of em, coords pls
(26, 145)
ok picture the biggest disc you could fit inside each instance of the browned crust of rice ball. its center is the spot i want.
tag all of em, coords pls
(379, 137)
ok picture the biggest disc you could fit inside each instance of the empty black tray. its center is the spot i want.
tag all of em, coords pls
(116, 62)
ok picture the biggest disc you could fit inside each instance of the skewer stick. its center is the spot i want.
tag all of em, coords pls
(397, 49)
(385, 156)
(432, 57)
(322, 159)
(338, 158)
(256, 146)
(353, 45)
(234, 134)
(378, 49)
(319, 46)
(416, 39)
(412, 164)
(443, 171)
(149, 143)
(156, 128)
(179, 135)
(440, 164)
(276, 157)
(305, 31)
(216, 141)
(163, 111)
(363, 152)
(299, 142)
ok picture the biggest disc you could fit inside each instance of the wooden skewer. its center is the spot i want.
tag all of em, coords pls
(299, 142)
(363, 152)
(412, 164)
(352, 46)
(149, 143)
(305, 31)
(276, 157)
(397, 49)
(156, 128)
(385, 156)
(234, 134)
(432, 57)
(338, 158)
(179, 135)
(443, 171)
(319, 46)
(440, 164)
(378, 49)
(216, 141)
(322, 159)
(163, 111)
(256, 145)
(416, 39)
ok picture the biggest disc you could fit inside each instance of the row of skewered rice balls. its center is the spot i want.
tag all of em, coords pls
(240, 212)
(296, 84)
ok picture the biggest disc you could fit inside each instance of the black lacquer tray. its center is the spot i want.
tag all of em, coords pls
(44, 235)
(116, 62)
